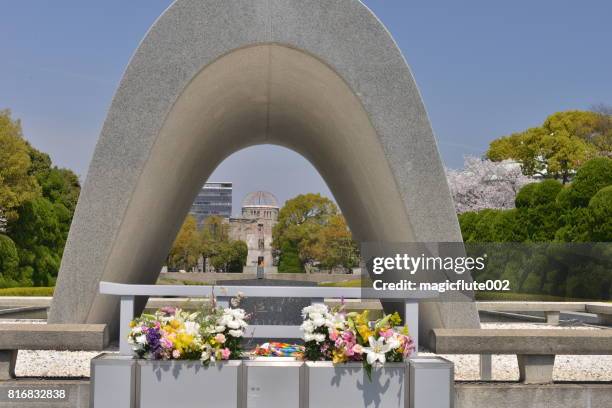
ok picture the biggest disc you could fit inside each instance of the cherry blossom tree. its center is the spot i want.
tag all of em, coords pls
(484, 184)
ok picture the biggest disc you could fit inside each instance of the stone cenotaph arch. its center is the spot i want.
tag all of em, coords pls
(321, 77)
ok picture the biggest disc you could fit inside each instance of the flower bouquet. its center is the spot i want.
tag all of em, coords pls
(333, 335)
(210, 334)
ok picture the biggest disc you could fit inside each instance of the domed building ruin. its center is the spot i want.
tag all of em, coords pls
(258, 217)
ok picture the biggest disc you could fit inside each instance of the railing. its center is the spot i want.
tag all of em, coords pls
(128, 294)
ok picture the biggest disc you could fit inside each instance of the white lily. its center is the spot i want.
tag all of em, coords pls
(234, 324)
(377, 350)
(393, 342)
(192, 328)
(235, 333)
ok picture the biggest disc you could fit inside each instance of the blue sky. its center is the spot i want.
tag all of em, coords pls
(484, 68)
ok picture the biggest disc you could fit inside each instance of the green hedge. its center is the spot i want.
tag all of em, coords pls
(547, 212)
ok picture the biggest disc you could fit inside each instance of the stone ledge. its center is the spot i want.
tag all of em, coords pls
(515, 395)
(53, 337)
(599, 308)
(76, 391)
(467, 394)
(521, 341)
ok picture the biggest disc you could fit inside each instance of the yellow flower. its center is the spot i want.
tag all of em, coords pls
(363, 318)
(338, 357)
(395, 320)
(364, 331)
(183, 341)
(133, 323)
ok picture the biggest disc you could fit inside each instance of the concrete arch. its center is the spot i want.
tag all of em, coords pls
(321, 77)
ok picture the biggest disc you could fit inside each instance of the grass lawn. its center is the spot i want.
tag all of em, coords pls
(353, 283)
(170, 281)
(29, 291)
(528, 297)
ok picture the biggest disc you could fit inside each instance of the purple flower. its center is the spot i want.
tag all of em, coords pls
(153, 340)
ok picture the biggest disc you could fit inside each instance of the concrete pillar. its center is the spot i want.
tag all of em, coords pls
(536, 369)
(431, 382)
(486, 367)
(605, 319)
(552, 317)
(8, 359)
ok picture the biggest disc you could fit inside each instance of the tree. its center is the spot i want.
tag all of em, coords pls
(9, 262)
(37, 202)
(310, 231)
(240, 250)
(485, 184)
(600, 221)
(337, 246)
(186, 247)
(300, 222)
(537, 211)
(58, 185)
(590, 126)
(17, 185)
(301, 210)
(228, 256)
(556, 149)
(289, 261)
(537, 194)
(592, 177)
(212, 243)
(223, 253)
(40, 241)
(555, 155)
(215, 229)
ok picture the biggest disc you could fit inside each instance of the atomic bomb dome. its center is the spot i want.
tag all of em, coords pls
(254, 226)
(260, 199)
(260, 205)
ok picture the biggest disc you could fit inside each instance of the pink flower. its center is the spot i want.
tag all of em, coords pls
(333, 334)
(357, 349)
(168, 310)
(176, 354)
(348, 336)
(386, 333)
(220, 338)
(409, 347)
(225, 353)
(166, 343)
